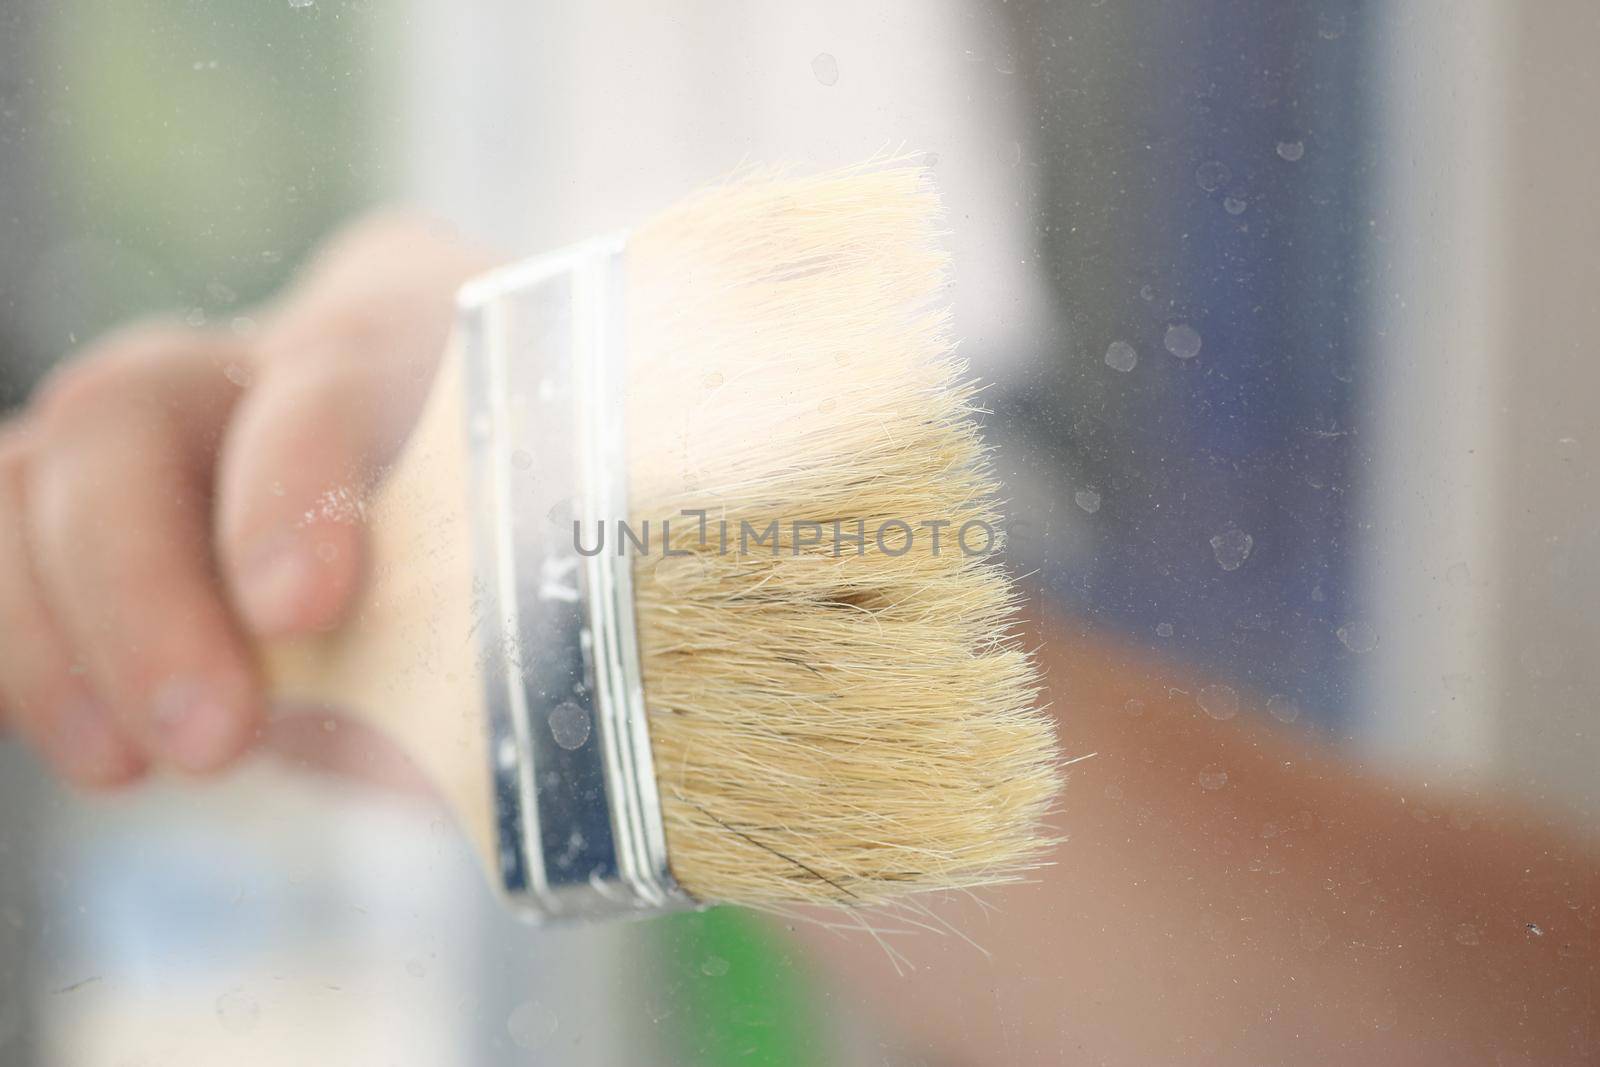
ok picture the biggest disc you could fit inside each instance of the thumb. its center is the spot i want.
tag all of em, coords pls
(344, 368)
(297, 467)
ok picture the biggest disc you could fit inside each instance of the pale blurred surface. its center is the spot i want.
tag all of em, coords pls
(1370, 497)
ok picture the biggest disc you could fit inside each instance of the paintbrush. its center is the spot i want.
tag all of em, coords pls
(686, 589)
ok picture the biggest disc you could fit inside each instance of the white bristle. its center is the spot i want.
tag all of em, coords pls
(827, 728)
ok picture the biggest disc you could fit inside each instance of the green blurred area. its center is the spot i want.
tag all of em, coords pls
(196, 150)
(739, 995)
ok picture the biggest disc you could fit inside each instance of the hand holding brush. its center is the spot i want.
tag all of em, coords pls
(837, 715)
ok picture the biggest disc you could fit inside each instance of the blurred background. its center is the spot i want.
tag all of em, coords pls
(1289, 307)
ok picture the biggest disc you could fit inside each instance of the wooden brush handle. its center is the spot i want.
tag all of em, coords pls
(405, 662)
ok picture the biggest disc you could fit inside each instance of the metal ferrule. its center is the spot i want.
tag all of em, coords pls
(578, 815)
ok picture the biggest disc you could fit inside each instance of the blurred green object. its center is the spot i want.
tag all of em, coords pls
(199, 150)
(737, 994)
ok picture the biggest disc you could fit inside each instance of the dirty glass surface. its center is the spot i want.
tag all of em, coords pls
(1287, 311)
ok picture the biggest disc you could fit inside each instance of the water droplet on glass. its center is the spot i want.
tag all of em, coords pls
(330, 726)
(238, 1011)
(237, 374)
(1212, 175)
(1087, 499)
(1213, 778)
(327, 551)
(301, 3)
(1219, 701)
(1232, 548)
(1467, 934)
(561, 514)
(1134, 707)
(713, 380)
(1113, 791)
(531, 1025)
(1291, 150)
(416, 968)
(569, 725)
(715, 966)
(1458, 574)
(1163, 629)
(826, 68)
(1183, 340)
(1120, 355)
(1282, 708)
(1330, 26)
(521, 459)
(1233, 205)
(1358, 637)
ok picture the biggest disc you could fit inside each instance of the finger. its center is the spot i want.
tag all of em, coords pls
(300, 458)
(118, 509)
(42, 692)
(345, 368)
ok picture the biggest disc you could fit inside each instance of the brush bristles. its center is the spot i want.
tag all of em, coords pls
(829, 726)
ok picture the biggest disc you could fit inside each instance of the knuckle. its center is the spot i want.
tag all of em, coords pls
(124, 368)
(385, 229)
(63, 511)
(153, 340)
(84, 389)
(308, 399)
(75, 493)
(14, 442)
(329, 345)
(339, 380)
